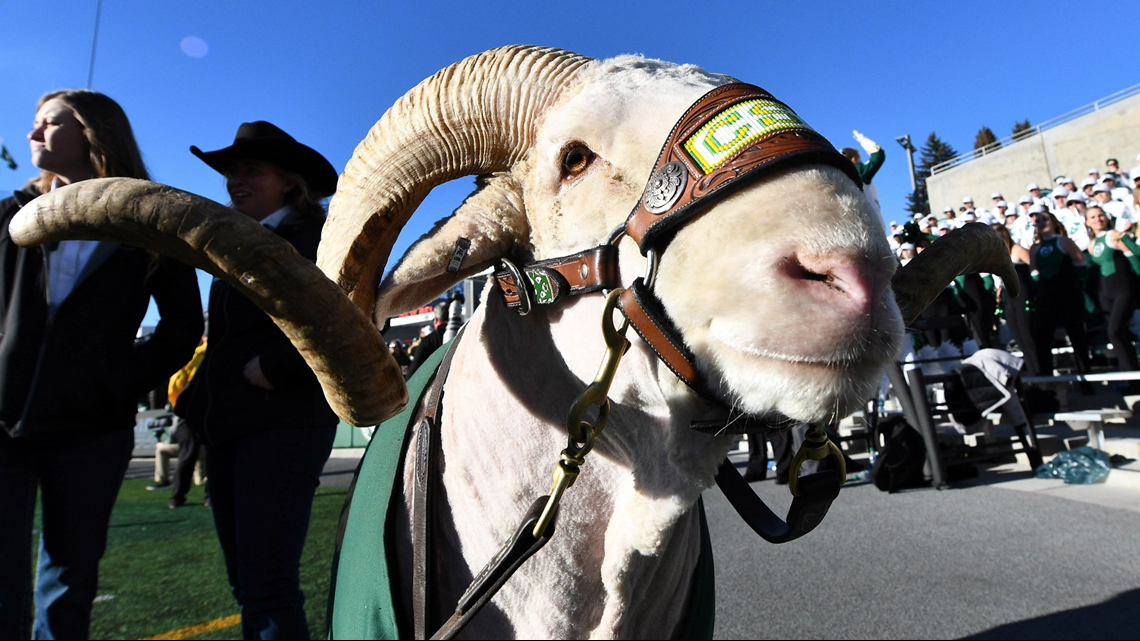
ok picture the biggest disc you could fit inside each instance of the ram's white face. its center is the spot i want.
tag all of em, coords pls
(781, 291)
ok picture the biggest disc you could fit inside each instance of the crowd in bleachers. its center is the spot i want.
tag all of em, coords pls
(1075, 251)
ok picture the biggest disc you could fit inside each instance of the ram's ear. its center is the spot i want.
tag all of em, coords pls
(492, 218)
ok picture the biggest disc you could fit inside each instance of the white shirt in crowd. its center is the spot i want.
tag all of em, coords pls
(1074, 224)
(1023, 231)
(1125, 217)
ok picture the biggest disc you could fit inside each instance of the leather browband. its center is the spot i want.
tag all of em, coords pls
(697, 166)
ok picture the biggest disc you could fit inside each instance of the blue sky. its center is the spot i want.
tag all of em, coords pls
(326, 71)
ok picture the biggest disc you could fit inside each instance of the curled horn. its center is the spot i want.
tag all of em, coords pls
(973, 248)
(336, 339)
(477, 116)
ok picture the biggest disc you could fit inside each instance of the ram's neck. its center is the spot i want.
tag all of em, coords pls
(511, 384)
(651, 408)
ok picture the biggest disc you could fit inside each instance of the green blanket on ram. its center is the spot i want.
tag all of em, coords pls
(362, 594)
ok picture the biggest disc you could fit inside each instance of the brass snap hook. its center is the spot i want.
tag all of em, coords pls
(816, 447)
(583, 434)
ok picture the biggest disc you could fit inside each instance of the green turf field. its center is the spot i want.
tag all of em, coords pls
(163, 569)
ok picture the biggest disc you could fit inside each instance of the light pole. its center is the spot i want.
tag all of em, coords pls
(94, 42)
(905, 142)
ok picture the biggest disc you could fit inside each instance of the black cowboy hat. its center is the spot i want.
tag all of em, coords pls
(265, 141)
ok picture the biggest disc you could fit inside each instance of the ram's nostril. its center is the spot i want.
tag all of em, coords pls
(795, 269)
(841, 284)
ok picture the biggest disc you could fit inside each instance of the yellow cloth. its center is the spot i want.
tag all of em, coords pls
(182, 377)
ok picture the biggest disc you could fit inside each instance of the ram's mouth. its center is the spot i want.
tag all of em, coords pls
(835, 360)
(857, 346)
(773, 387)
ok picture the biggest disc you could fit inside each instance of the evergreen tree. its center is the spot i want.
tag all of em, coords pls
(986, 140)
(933, 152)
(917, 201)
(1022, 129)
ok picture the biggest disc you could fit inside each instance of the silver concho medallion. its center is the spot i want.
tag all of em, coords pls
(665, 188)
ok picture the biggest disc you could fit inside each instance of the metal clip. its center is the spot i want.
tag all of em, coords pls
(816, 447)
(597, 393)
(565, 473)
(582, 434)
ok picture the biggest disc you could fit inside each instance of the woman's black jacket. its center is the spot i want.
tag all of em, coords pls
(220, 402)
(82, 368)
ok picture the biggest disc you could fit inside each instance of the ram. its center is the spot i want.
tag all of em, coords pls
(756, 275)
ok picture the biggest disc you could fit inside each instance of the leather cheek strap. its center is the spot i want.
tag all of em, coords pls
(647, 317)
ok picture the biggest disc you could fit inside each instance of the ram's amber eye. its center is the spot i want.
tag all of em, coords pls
(575, 159)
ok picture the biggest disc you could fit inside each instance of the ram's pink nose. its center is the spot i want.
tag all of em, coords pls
(847, 285)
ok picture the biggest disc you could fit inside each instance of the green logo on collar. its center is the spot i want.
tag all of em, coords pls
(543, 290)
(736, 127)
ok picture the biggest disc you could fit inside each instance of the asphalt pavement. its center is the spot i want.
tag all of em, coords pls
(1003, 557)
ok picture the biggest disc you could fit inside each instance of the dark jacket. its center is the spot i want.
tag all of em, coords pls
(425, 348)
(82, 369)
(219, 401)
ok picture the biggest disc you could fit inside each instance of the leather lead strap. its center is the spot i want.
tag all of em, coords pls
(491, 578)
(425, 475)
(817, 491)
(513, 554)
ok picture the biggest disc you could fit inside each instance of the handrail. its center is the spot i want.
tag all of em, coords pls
(1033, 131)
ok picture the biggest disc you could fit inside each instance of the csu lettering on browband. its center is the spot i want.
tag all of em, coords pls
(734, 128)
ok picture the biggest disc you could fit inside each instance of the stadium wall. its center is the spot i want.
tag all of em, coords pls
(1069, 149)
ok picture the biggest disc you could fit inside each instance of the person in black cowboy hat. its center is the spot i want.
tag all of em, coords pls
(257, 403)
(296, 172)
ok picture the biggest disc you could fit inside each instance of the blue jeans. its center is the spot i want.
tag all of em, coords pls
(78, 477)
(261, 491)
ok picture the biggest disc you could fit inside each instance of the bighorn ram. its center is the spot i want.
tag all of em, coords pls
(780, 291)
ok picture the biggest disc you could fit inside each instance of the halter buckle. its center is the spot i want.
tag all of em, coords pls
(525, 303)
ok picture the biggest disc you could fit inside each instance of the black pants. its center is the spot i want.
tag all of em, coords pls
(78, 477)
(261, 492)
(1020, 320)
(980, 310)
(782, 451)
(1117, 299)
(1060, 303)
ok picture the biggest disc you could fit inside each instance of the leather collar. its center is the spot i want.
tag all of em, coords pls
(548, 282)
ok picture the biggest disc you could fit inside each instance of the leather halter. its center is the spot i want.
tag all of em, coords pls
(731, 136)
